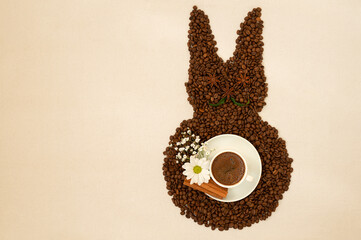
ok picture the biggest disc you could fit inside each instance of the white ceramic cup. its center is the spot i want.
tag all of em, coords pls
(245, 176)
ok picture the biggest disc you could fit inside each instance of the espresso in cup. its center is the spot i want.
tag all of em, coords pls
(228, 168)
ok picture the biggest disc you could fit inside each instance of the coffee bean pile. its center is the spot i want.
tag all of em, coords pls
(241, 78)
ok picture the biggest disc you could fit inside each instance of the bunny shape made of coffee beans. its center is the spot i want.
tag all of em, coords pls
(226, 98)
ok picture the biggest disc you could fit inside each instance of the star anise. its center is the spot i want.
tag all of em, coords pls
(227, 92)
(242, 79)
(212, 80)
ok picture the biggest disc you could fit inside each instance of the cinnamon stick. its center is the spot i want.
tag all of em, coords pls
(212, 185)
(210, 188)
(199, 188)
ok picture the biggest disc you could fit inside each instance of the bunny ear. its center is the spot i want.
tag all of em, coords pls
(250, 37)
(204, 61)
(201, 44)
(248, 57)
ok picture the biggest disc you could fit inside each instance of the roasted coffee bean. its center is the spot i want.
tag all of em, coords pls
(244, 73)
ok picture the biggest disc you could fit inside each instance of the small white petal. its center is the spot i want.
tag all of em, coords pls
(193, 161)
(206, 178)
(188, 172)
(193, 179)
(200, 179)
(205, 165)
(186, 165)
(191, 175)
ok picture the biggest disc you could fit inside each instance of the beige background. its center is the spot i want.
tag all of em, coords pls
(91, 90)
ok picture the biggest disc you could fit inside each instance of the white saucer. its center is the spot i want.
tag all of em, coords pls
(249, 152)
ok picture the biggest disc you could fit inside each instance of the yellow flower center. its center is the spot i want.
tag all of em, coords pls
(197, 169)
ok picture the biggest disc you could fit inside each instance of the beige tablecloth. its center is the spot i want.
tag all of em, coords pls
(91, 90)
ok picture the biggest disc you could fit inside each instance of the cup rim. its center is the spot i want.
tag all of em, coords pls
(243, 177)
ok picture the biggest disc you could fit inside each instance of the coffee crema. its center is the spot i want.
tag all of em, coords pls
(228, 168)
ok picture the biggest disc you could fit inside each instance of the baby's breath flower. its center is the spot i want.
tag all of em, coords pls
(190, 145)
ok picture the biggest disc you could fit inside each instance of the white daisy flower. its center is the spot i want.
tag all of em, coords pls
(197, 170)
(176, 148)
(181, 149)
(183, 141)
(178, 143)
(193, 135)
(196, 147)
(189, 132)
(194, 152)
(187, 147)
(197, 139)
(192, 145)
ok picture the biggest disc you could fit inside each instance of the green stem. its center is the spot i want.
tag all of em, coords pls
(239, 104)
(223, 100)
